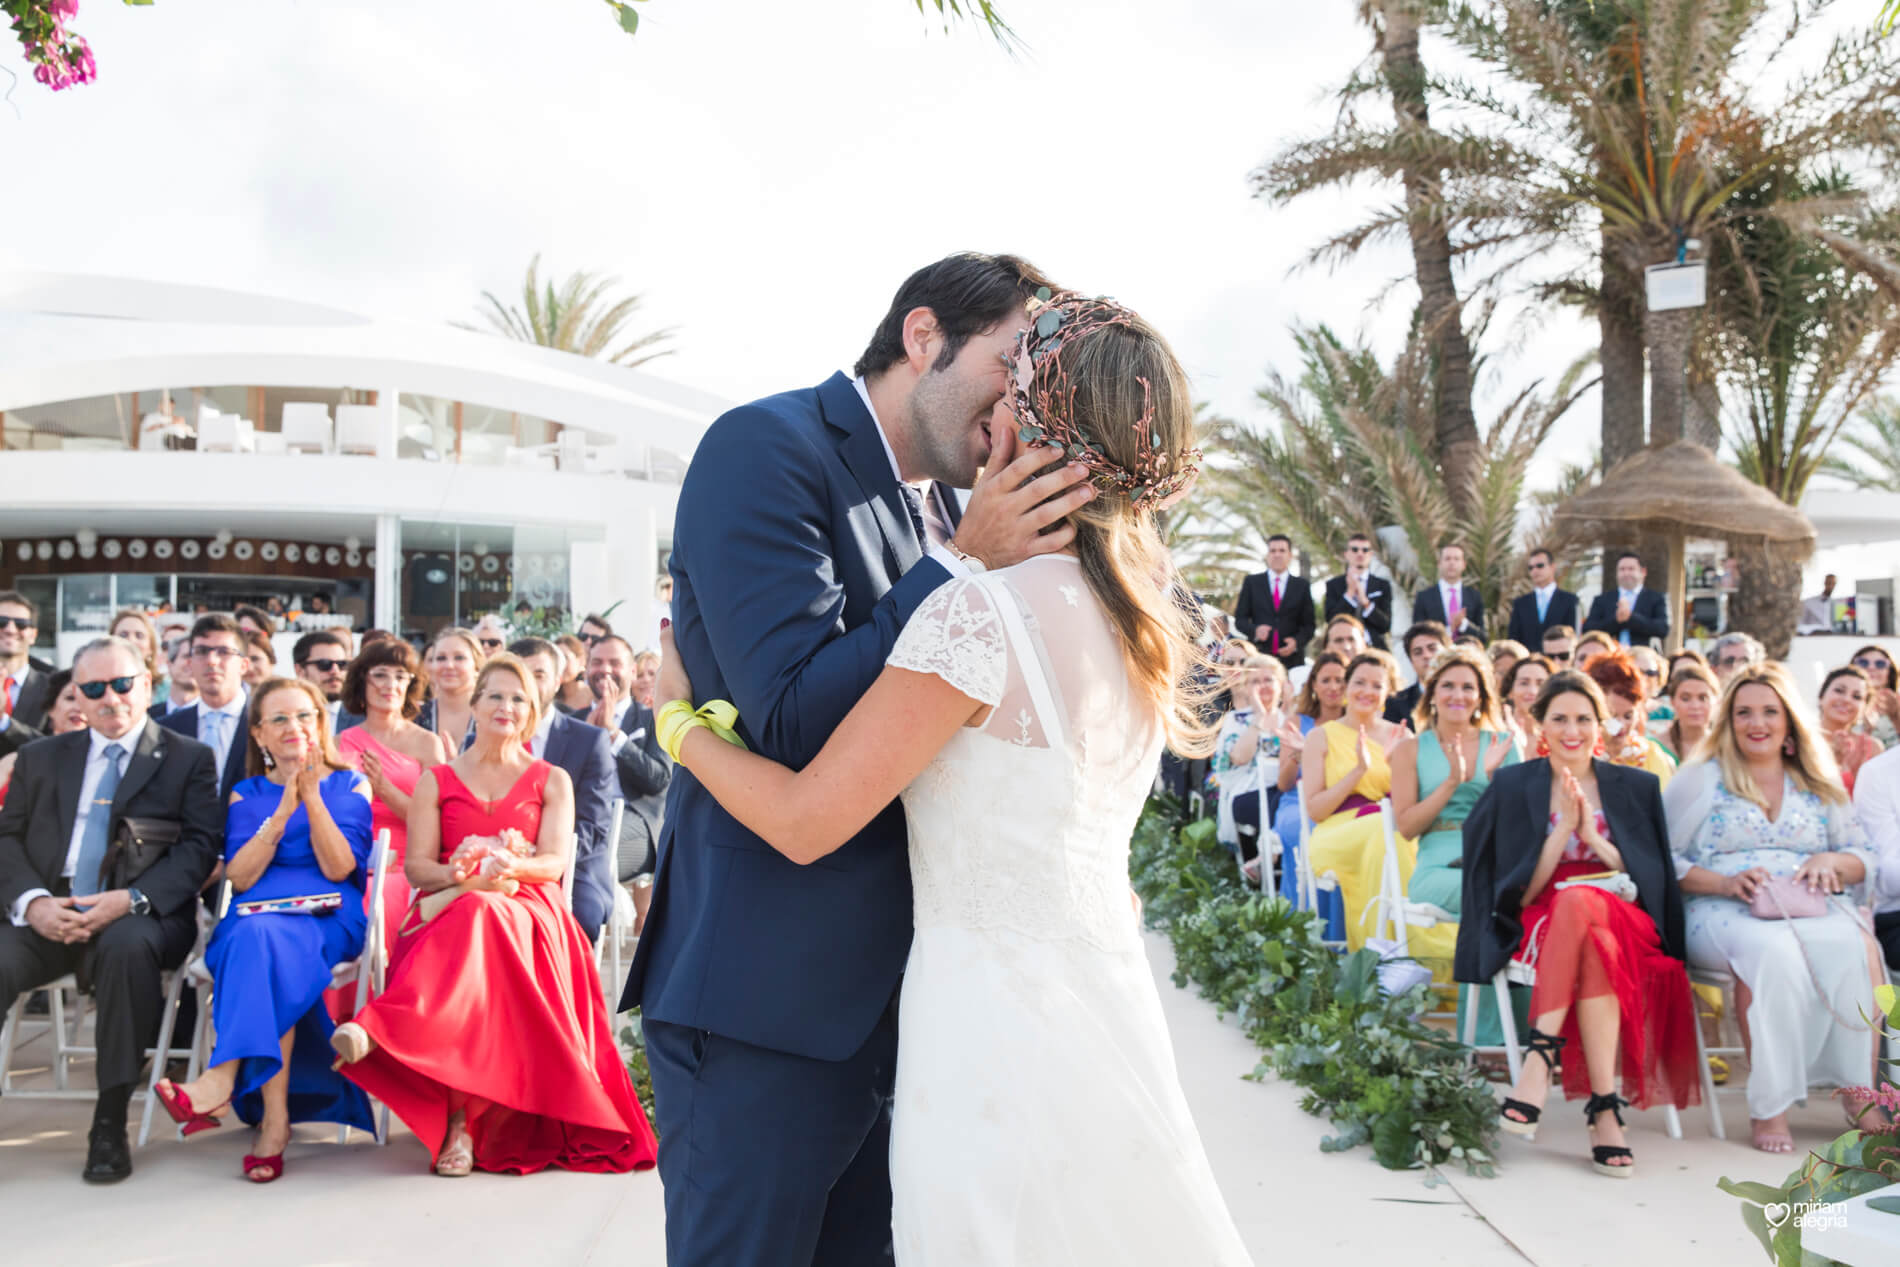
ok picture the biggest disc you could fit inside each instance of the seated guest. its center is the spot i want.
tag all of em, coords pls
(1686, 655)
(491, 634)
(640, 764)
(254, 620)
(392, 751)
(646, 676)
(1884, 706)
(1519, 690)
(1692, 695)
(1422, 642)
(1649, 667)
(1503, 654)
(593, 628)
(73, 907)
(1275, 608)
(1343, 775)
(1877, 805)
(1845, 694)
(275, 607)
(455, 657)
(1735, 651)
(23, 693)
(1764, 814)
(1344, 636)
(318, 604)
(1626, 738)
(1436, 778)
(67, 714)
(1545, 607)
(1559, 645)
(1631, 614)
(322, 659)
(298, 827)
(137, 628)
(1451, 602)
(260, 659)
(491, 1039)
(218, 719)
(1244, 770)
(1592, 644)
(1610, 973)
(585, 754)
(1322, 699)
(180, 690)
(573, 698)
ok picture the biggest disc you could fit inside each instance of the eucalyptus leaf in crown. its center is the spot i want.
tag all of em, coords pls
(1042, 395)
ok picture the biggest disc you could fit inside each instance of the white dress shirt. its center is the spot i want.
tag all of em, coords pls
(95, 770)
(538, 746)
(936, 524)
(1544, 594)
(1877, 802)
(620, 735)
(231, 727)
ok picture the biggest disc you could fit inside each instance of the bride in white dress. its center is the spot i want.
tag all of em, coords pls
(1038, 1117)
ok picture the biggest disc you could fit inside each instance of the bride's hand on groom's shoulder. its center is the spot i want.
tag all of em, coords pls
(1013, 502)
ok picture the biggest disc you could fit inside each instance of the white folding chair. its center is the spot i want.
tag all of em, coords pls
(358, 430)
(1397, 912)
(306, 427)
(368, 970)
(1310, 885)
(607, 949)
(567, 884)
(217, 433)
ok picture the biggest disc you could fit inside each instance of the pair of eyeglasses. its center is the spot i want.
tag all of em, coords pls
(1358, 549)
(490, 643)
(391, 677)
(1731, 662)
(97, 690)
(1867, 662)
(16, 622)
(327, 666)
(215, 654)
(1656, 673)
(282, 720)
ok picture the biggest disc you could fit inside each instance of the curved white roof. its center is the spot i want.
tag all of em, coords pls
(71, 336)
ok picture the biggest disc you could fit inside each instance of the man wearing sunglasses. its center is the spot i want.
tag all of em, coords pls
(218, 719)
(72, 902)
(1546, 607)
(593, 628)
(323, 659)
(1357, 592)
(1560, 644)
(491, 633)
(24, 695)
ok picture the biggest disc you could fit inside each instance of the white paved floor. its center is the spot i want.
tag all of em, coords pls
(363, 1204)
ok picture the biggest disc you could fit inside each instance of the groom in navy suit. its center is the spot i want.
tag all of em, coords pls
(807, 533)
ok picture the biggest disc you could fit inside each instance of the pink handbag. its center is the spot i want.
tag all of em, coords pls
(1784, 897)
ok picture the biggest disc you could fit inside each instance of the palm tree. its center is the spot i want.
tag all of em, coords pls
(1353, 452)
(1875, 444)
(575, 316)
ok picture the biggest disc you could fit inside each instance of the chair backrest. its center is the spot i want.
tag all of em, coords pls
(306, 425)
(567, 880)
(358, 429)
(217, 432)
(614, 824)
(1391, 897)
(378, 860)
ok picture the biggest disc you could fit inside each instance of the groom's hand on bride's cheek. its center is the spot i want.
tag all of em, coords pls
(1017, 506)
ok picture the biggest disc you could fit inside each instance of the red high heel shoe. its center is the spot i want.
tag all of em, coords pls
(274, 1164)
(179, 1108)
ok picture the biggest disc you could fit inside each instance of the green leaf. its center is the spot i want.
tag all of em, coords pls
(1048, 323)
(1887, 999)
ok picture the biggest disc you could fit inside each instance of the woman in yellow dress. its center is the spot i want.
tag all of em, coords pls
(1343, 775)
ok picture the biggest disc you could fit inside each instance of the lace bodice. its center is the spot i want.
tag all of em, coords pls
(1022, 824)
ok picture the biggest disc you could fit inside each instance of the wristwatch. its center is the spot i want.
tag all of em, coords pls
(141, 905)
(968, 560)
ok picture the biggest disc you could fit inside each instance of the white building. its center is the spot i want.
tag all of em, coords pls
(179, 448)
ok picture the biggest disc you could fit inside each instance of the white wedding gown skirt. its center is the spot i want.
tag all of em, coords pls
(1039, 1119)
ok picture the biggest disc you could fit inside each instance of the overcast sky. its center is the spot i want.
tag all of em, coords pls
(764, 172)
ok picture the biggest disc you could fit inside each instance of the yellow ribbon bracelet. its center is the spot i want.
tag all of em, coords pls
(676, 717)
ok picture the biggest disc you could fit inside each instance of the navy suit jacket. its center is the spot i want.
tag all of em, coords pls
(1526, 628)
(28, 719)
(1429, 604)
(185, 722)
(794, 569)
(1649, 617)
(1378, 621)
(1293, 620)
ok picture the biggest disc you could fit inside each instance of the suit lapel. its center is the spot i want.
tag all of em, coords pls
(1537, 798)
(950, 503)
(862, 449)
(147, 753)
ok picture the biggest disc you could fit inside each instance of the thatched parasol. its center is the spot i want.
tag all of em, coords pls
(1679, 491)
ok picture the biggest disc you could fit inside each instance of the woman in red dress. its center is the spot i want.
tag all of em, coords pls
(491, 1040)
(1570, 855)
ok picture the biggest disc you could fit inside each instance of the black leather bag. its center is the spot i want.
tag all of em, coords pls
(136, 844)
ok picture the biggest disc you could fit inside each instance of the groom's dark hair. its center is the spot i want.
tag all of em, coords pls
(968, 291)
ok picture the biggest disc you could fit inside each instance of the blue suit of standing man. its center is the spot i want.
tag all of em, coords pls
(767, 989)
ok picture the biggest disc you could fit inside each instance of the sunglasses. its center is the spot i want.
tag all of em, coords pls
(327, 666)
(1860, 662)
(1652, 673)
(97, 690)
(591, 639)
(1561, 656)
(16, 622)
(1731, 662)
(490, 643)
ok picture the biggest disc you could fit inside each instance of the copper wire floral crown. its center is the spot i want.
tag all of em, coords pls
(1042, 396)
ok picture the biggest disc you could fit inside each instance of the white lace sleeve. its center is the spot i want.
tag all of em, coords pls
(956, 635)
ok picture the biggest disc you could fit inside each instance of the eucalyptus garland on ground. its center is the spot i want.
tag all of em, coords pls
(1367, 1065)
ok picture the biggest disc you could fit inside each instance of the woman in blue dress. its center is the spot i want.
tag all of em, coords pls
(1322, 700)
(298, 827)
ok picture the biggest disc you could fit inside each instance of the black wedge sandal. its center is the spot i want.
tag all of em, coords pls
(1549, 1047)
(1601, 1155)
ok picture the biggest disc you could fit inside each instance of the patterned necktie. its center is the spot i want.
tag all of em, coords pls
(92, 842)
(915, 505)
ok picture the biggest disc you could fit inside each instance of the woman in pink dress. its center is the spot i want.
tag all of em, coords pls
(385, 689)
(491, 1040)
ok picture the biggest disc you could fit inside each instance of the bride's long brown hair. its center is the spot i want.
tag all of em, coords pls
(1114, 374)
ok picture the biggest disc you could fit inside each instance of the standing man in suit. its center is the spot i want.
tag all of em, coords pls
(1452, 603)
(24, 698)
(584, 752)
(322, 658)
(1545, 607)
(1634, 615)
(219, 719)
(641, 765)
(763, 984)
(74, 905)
(1357, 592)
(1275, 608)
